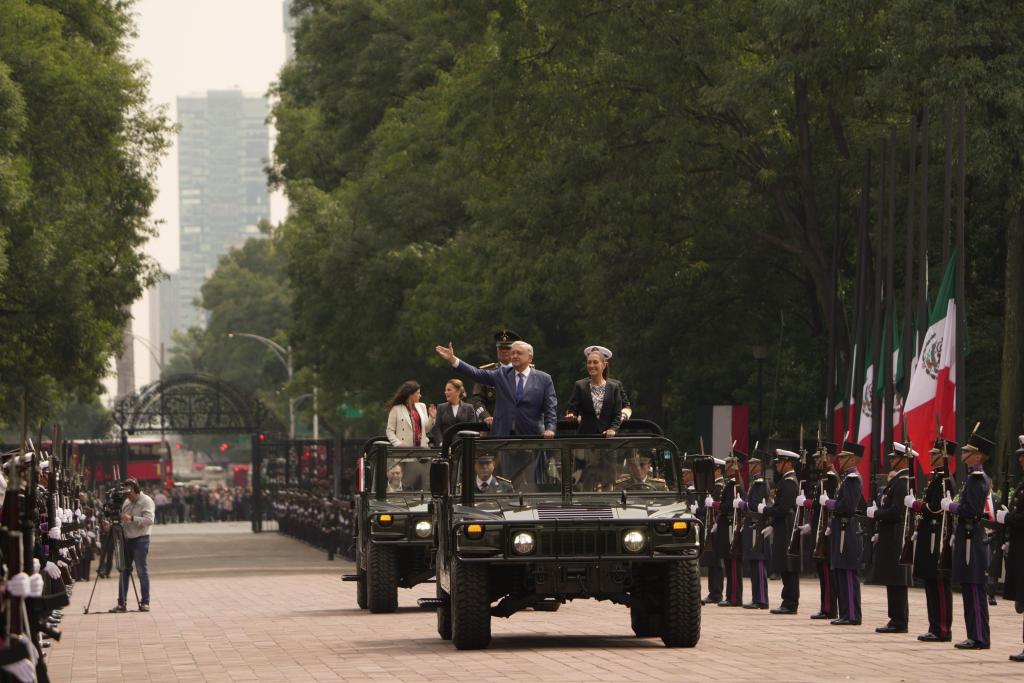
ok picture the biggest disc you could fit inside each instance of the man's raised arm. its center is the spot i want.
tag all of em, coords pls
(464, 369)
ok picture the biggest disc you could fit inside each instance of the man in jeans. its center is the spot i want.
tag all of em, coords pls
(137, 519)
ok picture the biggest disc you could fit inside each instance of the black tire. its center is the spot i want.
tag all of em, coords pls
(361, 590)
(444, 614)
(681, 615)
(471, 606)
(646, 622)
(381, 578)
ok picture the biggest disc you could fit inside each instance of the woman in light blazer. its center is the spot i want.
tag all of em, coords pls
(453, 411)
(409, 421)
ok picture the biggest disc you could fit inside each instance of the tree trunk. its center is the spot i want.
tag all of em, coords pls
(1011, 410)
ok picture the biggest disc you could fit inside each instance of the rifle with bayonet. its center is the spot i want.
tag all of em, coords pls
(999, 531)
(945, 555)
(795, 548)
(736, 547)
(907, 548)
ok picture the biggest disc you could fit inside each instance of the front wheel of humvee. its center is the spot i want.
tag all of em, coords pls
(361, 590)
(646, 622)
(381, 578)
(444, 614)
(680, 619)
(471, 606)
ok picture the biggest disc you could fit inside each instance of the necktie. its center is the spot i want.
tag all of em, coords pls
(483, 486)
(520, 386)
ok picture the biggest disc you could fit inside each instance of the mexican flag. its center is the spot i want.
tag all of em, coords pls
(931, 398)
(864, 429)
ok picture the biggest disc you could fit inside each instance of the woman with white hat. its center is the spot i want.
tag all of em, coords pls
(596, 402)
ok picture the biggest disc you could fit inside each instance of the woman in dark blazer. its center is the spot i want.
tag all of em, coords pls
(596, 402)
(453, 411)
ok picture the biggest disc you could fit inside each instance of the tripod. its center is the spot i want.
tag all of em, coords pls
(113, 550)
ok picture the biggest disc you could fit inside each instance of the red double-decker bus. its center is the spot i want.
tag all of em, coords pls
(149, 461)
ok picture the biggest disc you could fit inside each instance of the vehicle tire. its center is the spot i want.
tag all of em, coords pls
(470, 606)
(646, 622)
(681, 615)
(361, 590)
(381, 578)
(444, 614)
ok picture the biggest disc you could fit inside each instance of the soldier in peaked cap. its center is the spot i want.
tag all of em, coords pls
(844, 534)
(1012, 518)
(971, 554)
(928, 546)
(725, 509)
(782, 514)
(888, 515)
(755, 534)
(828, 483)
(486, 481)
(709, 558)
(639, 477)
(483, 396)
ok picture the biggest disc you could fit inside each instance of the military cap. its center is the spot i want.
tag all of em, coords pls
(951, 447)
(639, 458)
(783, 454)
(979, 444)
(850, 448)
(740, 456)
(504, 338)
(600, 350)
(899, 450)
(484, 457)
(829, 447)
(719, 462)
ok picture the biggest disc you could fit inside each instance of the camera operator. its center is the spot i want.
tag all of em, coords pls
(137, 514)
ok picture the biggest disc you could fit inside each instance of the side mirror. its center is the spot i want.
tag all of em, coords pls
(439, 478)
(703, 473)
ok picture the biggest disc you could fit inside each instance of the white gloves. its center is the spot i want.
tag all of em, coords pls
(23, 670)
(828, 531)
(800, 500)
(713, 528)
(767, 532)
(709, 501)
(52, 570)
(823, 499)
(736, 502)
(761, 507)
(872, 510)
(805, 529)
(914, 537)
(35, 565)
(874, 539)
(909, 500)
(1001, 515)
(54, 533)
(1006, 547)
(946, 503)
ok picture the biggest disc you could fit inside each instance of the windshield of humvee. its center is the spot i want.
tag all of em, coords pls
(407, 474)
(521, 467)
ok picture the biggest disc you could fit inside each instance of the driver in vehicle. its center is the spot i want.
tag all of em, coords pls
(639, 477)
(395, 478)
(486, 481)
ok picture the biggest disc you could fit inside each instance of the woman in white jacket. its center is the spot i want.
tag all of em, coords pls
(409, 421)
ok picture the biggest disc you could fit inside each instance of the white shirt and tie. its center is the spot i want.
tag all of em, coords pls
(521, 379)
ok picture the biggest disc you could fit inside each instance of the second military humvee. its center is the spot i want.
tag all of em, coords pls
(576, 517)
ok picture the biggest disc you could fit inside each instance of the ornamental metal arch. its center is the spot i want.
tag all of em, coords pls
(189, 403)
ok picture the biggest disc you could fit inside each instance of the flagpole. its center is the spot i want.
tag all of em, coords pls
(833, 346)
(947, 191)
(961, 268)
(888, 340)
(907, 336)
(922, 243)
(876, 324)
(852, 411)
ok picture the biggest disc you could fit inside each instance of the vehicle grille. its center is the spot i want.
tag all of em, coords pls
(545, 513)
(567, 542)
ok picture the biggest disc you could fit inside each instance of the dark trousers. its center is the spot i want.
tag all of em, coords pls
(733, 581)
(791, 590)
(899, 609)
(848, 586)
(939, 594)
(716, 577)
(758, 582)
(976, 612)
(827, 589)
(137, 550)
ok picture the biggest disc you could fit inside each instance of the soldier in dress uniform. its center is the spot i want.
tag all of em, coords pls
(828, 483)
(888, 513)
(755, 534)
(709, 558)
(971, 555)
(783, 516)
(928, 545)
(724, 532)
(483, 396)
(688, 488)
(844, 534)
(1012, 518)
(486, 481)
(640, 477)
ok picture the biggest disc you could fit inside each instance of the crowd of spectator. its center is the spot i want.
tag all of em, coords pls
(201, 504)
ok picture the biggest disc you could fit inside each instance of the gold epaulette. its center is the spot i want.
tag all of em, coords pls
(656, 479)
(507, 481)
(488, 366)
(622, 478)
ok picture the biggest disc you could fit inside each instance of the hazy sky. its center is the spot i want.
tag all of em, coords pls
(191, 46)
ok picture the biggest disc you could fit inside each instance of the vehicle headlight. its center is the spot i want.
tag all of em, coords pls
(424, 528)
(634, 541)
(523, 543)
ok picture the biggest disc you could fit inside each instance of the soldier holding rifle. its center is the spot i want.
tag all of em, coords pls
(756, 534)
(783, 519)
(844, 534)
(1012, 519)
(889, 514)
(828, 483)
(709, 558)
(724, 532)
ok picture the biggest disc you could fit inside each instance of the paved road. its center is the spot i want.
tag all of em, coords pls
(229, 605)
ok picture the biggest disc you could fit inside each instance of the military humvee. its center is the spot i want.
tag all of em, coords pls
(574, 517)
(394, 533)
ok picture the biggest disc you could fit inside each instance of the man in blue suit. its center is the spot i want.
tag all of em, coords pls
(526, 402)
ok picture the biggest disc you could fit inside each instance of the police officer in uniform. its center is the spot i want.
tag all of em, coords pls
(971, 554)
(724, 533)
(783, 516)
(486, 481)
(709, 558)
(639, 477)
(483, 396)
(755, 534)
(1013, 520)
(888, 514)
(844, 534)
(928, 548)
(828, 483)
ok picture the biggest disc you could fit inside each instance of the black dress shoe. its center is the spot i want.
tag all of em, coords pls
(751, 605)
(726, 603)
(1017, 658)
(970, 645)
(932, 638)
(844, 622)
(712, 600)
(822, 615)
(783, 610)
(119, 608)
(890, 629)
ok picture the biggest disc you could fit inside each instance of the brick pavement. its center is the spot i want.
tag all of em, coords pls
(229, 605)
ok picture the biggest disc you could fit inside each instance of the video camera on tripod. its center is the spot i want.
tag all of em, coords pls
(114, 501)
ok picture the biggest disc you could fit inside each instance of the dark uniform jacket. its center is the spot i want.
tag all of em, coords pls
(755, 546)
(709, 557)
(829, 483)
(845, 543)
(445, 419)
(581, 403)
(927, 547)
(495, 485)
(1013, 582)
(969, 538)
(783, 515)
(723, 534)
(887, 570)
(483, 397)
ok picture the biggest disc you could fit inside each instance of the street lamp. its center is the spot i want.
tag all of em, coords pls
(285, 356)
(148, 345)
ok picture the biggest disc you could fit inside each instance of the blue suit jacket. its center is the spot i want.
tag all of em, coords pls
(535, 412)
